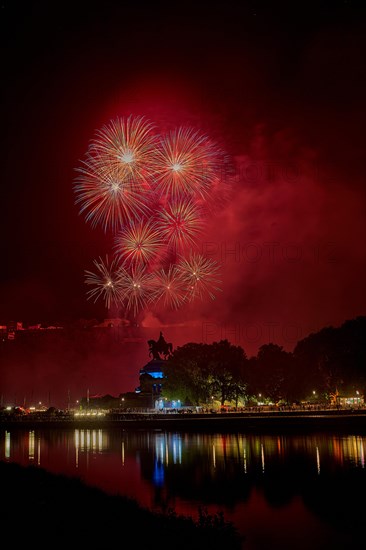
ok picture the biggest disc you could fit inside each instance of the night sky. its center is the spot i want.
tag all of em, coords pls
(281, 86)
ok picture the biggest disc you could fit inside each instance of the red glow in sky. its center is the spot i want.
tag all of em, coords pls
(281, 88)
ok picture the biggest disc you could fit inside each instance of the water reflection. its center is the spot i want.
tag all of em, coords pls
(317, 460)
(7, 445)
(31, 446)
(232, 472)
(218, 451)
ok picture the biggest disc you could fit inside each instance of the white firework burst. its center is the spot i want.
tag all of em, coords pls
(201, 276)
(105, 282)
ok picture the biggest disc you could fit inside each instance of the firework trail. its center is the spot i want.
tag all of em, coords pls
(168, 288)
(180, 224)
(200, 275)
(106, 282)
(187, 163)
(139, 242)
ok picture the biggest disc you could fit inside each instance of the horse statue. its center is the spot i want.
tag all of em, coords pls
(160, 349)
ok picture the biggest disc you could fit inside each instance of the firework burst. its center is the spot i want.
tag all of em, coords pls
(139, 242)
(200, 275)
(129, 145)
(135, 282)
(154, 193)
(180, 224)
(106, 282)
(108, 197)
(168, 288)
(187, 163)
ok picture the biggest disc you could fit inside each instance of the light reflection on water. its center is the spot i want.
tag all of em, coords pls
(177, 448)
(236, 473)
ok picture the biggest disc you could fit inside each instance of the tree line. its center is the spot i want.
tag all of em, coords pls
(322, 365)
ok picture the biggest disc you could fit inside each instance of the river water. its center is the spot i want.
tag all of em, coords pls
(281, 491)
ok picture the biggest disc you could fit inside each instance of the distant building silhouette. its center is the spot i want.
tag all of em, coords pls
(152, 374)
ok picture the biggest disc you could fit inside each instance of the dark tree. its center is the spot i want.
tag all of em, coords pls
(198, 372)
(186, 374)
(227, 371)
(333, 358)
(272, 373)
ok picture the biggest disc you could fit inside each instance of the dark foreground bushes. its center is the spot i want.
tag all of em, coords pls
(44, 509)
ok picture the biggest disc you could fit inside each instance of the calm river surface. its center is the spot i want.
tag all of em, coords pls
(288, 492)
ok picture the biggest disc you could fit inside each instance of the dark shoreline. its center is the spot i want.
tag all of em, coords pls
(283, 421)
(76, 512)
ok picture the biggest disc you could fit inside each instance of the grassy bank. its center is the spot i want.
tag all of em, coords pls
(54, 509)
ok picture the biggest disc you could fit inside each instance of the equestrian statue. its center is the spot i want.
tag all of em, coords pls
(160, 349)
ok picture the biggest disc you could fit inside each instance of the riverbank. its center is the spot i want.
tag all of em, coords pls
(42, 506)
(276, 421)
